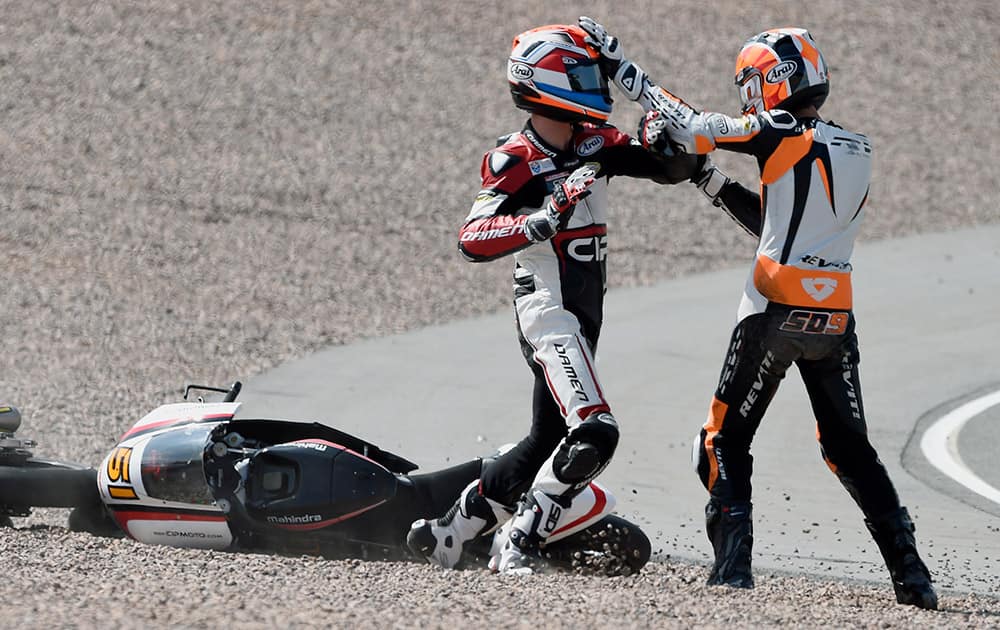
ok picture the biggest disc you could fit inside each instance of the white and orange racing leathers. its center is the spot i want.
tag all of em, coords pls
(559, 284)
(797, 301)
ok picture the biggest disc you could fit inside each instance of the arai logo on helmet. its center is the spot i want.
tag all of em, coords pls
(782, 71)
(520, 71)
(590, 145)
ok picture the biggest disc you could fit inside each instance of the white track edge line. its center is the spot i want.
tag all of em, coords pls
(939, 445)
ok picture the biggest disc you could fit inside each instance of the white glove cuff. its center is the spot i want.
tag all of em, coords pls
(630, 78)
(712, 183)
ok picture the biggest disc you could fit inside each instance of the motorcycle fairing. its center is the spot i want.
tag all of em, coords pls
(182, 413)
(153, 485)
(199, 530)
(311, 484)
(280, 431)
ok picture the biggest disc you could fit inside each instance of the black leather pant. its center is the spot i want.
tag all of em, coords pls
(509, 476)
(824, 347)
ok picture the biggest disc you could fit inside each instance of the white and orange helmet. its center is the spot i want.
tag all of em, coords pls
(553, 72)
(781, 69)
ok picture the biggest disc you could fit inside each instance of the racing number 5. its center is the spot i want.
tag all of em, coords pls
(118, 465)
(796, 321)
(816, 323)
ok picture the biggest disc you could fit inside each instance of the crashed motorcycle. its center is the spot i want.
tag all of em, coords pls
(196, 474)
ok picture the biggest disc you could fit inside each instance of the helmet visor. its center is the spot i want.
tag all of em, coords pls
(588, 87)
(586, 77)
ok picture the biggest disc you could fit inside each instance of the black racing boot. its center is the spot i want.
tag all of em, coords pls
(910, 578)
(731, 532)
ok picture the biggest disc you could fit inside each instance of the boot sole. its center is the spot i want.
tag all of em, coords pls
(421, 542)
(922, 598)
(732, 582)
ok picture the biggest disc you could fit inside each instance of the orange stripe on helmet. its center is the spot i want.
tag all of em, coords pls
(716, 413)
(809, 52)
(758, 55)
(777, 95)
(762, 57)
(537, 29)
(578, 34)
(581, 36)
(542, 99)
(787, 155)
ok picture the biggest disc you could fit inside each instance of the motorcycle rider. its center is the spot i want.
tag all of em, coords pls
(797, 303)
(544, 200)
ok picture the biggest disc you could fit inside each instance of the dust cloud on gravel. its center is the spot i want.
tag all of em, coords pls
(201, 191)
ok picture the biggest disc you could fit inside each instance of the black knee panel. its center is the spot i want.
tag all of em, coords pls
(587, 449)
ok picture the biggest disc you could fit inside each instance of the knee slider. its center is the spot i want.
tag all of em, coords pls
(587, 449)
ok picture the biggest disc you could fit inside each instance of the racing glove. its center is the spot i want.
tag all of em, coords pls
(652, 133)
(710, 180)
(543, 224)
(607, 45)
(629, 77)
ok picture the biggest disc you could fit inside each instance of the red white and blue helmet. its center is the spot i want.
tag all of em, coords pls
(781, 69)
(552, 72)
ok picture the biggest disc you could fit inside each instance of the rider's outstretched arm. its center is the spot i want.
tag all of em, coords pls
(742, 205)
(670, 121)
(689, 130)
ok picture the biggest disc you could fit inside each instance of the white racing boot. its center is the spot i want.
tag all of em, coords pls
(537, 517)
(577, 460)
(441, 541)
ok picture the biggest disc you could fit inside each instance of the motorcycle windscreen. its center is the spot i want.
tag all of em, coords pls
(171, 504)
(172, 468)
(311, 484)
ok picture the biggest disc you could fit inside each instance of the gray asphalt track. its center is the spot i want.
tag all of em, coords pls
(927, 310)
